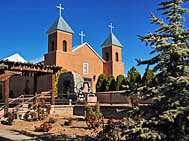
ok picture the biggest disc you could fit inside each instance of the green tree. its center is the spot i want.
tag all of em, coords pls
(134, 77)
(168, 117)
(110, 83)
(119, 81)
(125, 84)
(148, 77)
(101, 83)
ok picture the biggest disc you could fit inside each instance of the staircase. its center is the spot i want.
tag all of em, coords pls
(21, 103)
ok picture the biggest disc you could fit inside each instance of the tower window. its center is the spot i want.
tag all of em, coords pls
(64, 46)
(117, 57)
(52, 46)
(85, 68)
(107, 56)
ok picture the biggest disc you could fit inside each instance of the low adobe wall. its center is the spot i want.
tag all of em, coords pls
(117, 112)
(117, 98)
(62, 110)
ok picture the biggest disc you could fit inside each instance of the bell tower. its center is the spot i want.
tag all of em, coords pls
(112, 54)
(59, 39)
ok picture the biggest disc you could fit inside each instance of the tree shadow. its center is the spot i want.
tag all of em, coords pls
(50, 137)
(86, 128)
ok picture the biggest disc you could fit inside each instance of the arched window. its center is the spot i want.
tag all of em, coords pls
(64, 46)
(117, 57)
(52, 46)
(107, 56)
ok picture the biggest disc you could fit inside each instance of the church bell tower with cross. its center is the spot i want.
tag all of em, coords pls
(59, 39)
(112, 54)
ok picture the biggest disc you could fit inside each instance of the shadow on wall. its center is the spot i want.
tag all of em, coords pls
(19, 85)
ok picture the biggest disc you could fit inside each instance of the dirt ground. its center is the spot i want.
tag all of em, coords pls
(77, 131)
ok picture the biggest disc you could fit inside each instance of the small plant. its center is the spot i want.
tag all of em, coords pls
(33, 116)
(69, 122)
(93, 116)
(52, 120)
(40, 110)
(10, 118)
(45, 127)
(112, 130)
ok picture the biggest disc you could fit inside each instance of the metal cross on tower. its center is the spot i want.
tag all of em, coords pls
(111, 27)
(60, 8)
(82, 35)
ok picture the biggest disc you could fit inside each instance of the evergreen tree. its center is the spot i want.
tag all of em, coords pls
(101, 83)
(119, 81)
(168, 117)
(110, 83)
(170, 42)
(134, 77)
(125, 84)
(148, 77)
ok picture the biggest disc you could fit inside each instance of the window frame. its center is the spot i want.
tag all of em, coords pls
(87, 68)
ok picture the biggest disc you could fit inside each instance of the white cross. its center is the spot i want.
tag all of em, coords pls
(82, 35)
(60, 8)
(111, 27)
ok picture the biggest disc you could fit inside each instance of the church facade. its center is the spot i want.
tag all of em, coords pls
(83, 59)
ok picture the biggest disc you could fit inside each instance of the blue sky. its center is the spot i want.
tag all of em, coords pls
(24, 23)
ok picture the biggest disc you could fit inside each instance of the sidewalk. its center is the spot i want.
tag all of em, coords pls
(6, 135)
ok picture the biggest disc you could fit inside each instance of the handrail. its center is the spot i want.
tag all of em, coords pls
(15, 99)
(26, 101)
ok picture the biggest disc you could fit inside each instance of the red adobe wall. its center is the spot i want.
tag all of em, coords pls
(74, 62)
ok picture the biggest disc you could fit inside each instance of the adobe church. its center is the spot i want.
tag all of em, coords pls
(83, 59)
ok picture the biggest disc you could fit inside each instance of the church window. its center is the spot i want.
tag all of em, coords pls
(52, 46)
(107, 56)
(64, 46)
(85, 68)
(117, 57)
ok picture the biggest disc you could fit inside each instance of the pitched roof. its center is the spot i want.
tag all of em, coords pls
(38, 60)
(60, 24)
(77, 47)
(16, 58)
(111, 40)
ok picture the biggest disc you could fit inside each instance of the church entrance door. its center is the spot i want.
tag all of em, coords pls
(89, 82)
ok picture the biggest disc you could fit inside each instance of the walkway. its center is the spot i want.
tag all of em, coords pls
(6, 135)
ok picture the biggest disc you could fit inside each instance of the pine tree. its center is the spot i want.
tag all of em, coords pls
(170, 42)
(168, 117)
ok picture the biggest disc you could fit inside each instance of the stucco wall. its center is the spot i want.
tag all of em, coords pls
(44, 83)
(74, 61)
(20, 84)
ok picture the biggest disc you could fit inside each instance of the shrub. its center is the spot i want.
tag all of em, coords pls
(119, 82)
(57, 79)
(110, 84)
(134, 78)
(45, 127)
(68, 122)
(101, 83)
(148, 77)
(93, 116)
